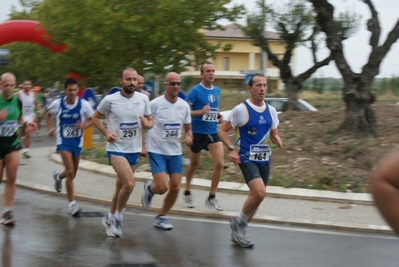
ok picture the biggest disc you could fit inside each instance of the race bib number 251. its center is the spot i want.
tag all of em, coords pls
(128, 130)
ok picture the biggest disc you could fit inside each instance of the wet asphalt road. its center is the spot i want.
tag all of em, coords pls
(44, 235)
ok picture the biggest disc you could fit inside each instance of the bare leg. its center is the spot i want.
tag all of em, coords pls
(27, 140)
(194, 163)
(125, 173)
(11, 162)
(171, 196)
(71, 168)
(257, 194)
(217, 153)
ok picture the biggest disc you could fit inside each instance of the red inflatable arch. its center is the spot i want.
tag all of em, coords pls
(26, 31)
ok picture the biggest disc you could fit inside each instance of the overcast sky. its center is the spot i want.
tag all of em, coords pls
(356, 48)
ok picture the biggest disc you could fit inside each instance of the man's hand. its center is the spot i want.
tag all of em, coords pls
(31, 127)
(234, 157)
(111, 137)
(51, 132)
(80, 125)
(145, 123)
(220, 118)
(206, 109)
(189, 140)
(3, 114)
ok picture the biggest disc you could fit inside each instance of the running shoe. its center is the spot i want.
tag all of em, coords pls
(213, 204)
(238, 234)
(58, 182)
(74, 210)
(188, 201)
(106, 221)
(161, 222)
(146, 197)
(7, 218)
(26, 155)
(116, 227)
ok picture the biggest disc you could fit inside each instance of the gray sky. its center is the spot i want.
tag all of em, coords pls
(356, 48)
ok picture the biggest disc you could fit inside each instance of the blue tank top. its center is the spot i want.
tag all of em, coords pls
(70, 135)
(253, 136)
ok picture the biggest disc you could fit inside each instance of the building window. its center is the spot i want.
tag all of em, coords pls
(226, 63)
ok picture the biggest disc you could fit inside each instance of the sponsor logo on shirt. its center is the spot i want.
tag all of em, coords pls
(211, 98)
(260, 149)
(262, 120)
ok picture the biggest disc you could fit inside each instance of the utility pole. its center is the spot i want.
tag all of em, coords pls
(263, 59)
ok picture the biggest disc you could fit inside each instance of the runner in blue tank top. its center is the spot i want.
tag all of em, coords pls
(73, 115)
(204, 102)
(255, 123)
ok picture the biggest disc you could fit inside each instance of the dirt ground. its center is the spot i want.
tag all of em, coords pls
(316, 156)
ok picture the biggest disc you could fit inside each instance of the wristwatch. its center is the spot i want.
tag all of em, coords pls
(232, 147)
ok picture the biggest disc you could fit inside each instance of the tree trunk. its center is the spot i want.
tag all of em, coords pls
(359, 116)
(292, 89)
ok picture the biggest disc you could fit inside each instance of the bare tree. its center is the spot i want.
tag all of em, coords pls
(296, 26)
(359, 118)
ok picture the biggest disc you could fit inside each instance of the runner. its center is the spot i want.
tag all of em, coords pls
(204, 101)
(255, 123)
(11, 120)
(29, 103)
(170, 114)
(73, 115)
(127, 112)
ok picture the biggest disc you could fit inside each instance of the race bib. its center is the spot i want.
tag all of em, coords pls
(259, 153)
(211, 116)
(70, 131)
(171, 130)
(8, 128)
(27, 109)
(128, 129)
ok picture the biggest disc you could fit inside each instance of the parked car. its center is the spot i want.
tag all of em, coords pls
(278, 103)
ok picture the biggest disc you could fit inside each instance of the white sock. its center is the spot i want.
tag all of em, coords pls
(73, 202)
(7, 209)
(242, 218)
(118, 215)
(110, 215)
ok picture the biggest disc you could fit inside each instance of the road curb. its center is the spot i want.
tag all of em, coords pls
(239, 188)
(221, 215)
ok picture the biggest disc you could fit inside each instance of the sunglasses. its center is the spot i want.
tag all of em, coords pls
(173, 83)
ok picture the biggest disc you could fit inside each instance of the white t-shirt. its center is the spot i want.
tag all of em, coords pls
(124, 120)
(239, 115)
(28, 105)
(169, 120)
(86, 112)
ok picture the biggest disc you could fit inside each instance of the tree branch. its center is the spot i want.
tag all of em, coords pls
(325, 20)
(373, 25)
(305, 75)
(379, 52)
